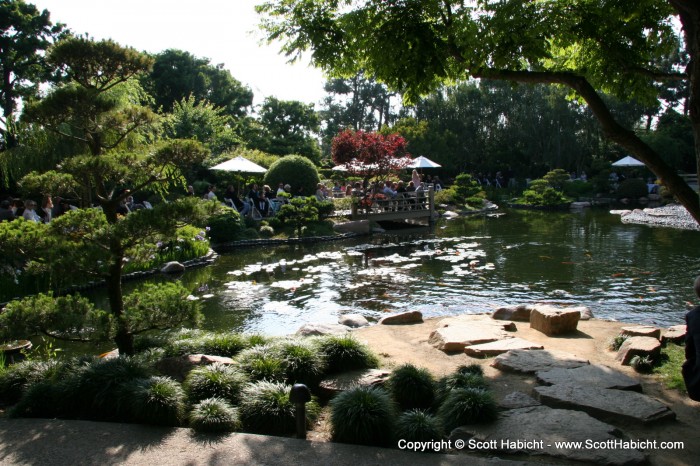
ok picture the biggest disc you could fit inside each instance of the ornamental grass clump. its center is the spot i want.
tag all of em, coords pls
(363, 416)
(265, 408)
(262, 363)
(214, 415)
(215, 381)
(418, 426)
(462, 378)
(345, 353)
(302, 362)
(157, 400)
(213, 344)
(412, 387)
(467, 406)
(16, 379)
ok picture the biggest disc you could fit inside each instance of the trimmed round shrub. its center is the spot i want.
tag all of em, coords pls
(265, 408)
(215, 381)
(214, 415)
(262, 363)
(302, 362)
(456, 381)
(157, 400)
(295, 170)
(364, 416)
(225, 225)
(467, 406)
(412, 387)
(345, 353)
(470, 369)
(419, 426)
(41, 399)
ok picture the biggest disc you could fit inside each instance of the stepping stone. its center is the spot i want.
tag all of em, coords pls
(641, 331)
(331, 386)
(413, 317)
(605, 403)
(552, 321)
(638, 346)
(457, 337)
(539, 427)
(593, 374)
(353, 320)
(497, 347)
(518, 400)
(674, 334)
(529, 362)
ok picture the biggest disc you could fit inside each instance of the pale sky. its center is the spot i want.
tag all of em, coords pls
(225, 31)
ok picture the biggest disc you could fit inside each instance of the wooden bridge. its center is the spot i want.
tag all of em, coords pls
(405, 206)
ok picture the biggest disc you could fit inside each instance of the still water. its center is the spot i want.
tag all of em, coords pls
(631, 273)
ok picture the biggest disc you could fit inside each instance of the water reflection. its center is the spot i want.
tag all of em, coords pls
(625, 272)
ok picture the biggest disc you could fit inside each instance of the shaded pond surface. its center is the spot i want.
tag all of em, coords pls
(632, 273)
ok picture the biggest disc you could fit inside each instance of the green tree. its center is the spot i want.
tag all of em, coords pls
(614, 46)
(177, 75)
(287, 127)
(92, 108)
(25, 34)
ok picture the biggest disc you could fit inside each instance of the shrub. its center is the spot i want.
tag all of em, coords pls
(578, 188)
(418, 426)
(616, 343)
(345, 353)
(215, 344)
(296, 170)
(412, 387)
(642, 364)
(225, 225)
(157, 400)
(214, 415)
(215, 381)
(265, 408)
(470, 369)
(457, 380)
(632, 188)
(466, 187)
(266, 231)
(41, 399)
(467, 406)
(262, 363)
(363, 415)
(302, 362)
(556, 178)
(18, 378)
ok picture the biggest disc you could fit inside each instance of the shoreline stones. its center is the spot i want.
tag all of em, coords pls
(641, 331)
(404, 318)
(308, 330)
(173, 267)
(353, 320)
(638, 346)
(674, 334)
(455, 333)
(552, 321)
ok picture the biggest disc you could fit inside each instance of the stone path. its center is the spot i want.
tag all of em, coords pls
(529, 362)
(495, 348)
(595, 375)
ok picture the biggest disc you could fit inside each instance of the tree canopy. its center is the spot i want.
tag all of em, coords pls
(615, 46)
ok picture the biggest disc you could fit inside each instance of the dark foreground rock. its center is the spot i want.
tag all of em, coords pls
(605, 403)
(529, 362)
(595, 375)
(539, 429)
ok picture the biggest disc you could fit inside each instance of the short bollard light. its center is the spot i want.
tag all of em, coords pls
(300, 395)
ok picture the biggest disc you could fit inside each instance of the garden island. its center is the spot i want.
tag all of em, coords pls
(428, 261)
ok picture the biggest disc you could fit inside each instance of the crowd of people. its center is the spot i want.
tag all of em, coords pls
(50, 208)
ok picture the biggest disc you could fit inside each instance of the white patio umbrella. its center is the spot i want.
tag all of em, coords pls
(239, 164)
(628, 162)
(423, 162)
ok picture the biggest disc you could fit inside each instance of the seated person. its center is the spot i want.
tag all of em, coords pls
(388, 190)
(320, 193)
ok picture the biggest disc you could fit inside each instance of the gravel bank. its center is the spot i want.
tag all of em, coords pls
(673, 216)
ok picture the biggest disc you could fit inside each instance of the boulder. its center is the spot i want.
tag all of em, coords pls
(456, 337)
(308, 330)
(173, 267)
(353, 320)
(593, 374)
(530, 362)
(179, 366)
(638, 346)
(331, 386)
(411, 317)
(539, 428)
(641, 331)
(552, 321)
(605, 403)
(497, 347)
(674, 334)
(519, 313)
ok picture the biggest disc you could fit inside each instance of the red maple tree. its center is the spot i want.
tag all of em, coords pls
(370, 154)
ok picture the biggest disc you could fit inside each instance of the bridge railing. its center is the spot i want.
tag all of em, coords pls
(411, 204)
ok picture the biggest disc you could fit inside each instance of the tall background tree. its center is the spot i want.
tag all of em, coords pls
(614, 46)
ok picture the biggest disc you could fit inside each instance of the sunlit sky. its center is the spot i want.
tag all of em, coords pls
(225, 31)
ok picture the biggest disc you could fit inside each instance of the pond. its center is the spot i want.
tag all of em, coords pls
(632, 273)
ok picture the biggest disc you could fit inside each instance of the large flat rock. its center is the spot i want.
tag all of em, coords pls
(530, 362)
(500, 346)
(593, 374)
(641, 331)
(674, 334)
(539, 428)
(457, 337)
(605, 403)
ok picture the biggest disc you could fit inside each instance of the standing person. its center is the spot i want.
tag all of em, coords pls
(46, 211)
(415, 177)
(691, 366)
(190, 190)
